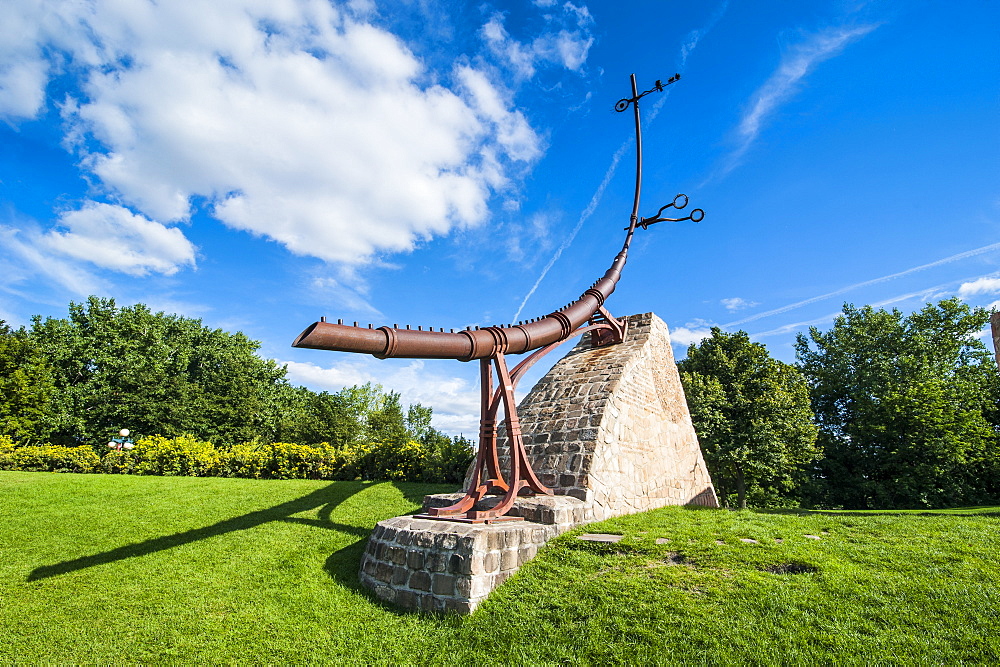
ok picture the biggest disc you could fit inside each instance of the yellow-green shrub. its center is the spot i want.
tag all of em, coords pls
(280, 460)
(119, 462)
(48, 458)
(291, 461)
(183, 455)
(355, 461)
(410, 461)
(403, 462)
(247, 459)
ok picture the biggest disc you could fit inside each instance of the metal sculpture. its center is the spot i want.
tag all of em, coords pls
(491, 345)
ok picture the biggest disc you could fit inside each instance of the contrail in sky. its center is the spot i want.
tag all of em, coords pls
(874, 281)
(689, 45)
(925, 293)
(795, 65)
(587, 212)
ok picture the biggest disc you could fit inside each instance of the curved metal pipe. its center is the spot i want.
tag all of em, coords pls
(386, 342)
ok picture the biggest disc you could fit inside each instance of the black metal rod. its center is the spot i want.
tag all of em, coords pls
(638, 156)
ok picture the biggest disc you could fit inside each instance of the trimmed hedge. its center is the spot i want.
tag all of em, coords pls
(412, 461)
(47, 458)
(280, 460)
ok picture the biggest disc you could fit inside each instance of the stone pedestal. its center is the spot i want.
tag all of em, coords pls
(607, 429)
(448, 566)
(611, 426)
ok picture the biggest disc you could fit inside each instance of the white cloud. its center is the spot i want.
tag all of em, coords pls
(11, 320)
(737, 303)
(26, 257)
(23, 71)
(984, 285)
(795, 64)
(512, 131)
(455, 400)
(565, 42)
(294, 120)
(693, 37)
(690, 334)
(113, 237)
(344, 294)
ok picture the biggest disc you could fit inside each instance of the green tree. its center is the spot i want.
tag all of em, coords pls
(354, 414)
(907, 407)
(26, 387)
(753, 419)
(385, 422)
(154, 374)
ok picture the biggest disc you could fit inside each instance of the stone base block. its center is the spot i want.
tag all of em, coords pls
(611, 426)
(435, 565)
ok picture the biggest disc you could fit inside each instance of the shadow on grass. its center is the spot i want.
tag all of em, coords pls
(414, 492)
(328, 498)
(343, 564)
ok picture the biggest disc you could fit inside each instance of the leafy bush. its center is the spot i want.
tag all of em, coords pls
(443, 460)
(406, 461)
(248, 459)
(280, 460)
(47, 458)
(449, 460)
(434, 460)
(183, 456)
(291, 461)
(117, 462)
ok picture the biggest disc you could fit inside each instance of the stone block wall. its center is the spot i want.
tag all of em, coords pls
(447, 566)
(611, 426)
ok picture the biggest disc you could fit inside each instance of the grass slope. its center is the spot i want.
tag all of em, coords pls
(113, 569)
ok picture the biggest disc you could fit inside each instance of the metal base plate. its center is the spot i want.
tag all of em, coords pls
(462, 519)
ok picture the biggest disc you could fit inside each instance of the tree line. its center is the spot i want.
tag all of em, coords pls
(883, 410)
(77, 380)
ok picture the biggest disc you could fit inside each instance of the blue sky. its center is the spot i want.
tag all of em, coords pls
(259, 164)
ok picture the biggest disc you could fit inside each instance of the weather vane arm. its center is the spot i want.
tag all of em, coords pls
(638, 159)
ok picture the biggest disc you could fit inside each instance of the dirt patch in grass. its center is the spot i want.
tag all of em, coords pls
(791, 568)
(671, 559)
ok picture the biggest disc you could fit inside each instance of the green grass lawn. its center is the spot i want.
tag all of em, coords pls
(113, 569)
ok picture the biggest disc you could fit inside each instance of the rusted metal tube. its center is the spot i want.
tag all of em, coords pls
(394, 342)
(386, 342)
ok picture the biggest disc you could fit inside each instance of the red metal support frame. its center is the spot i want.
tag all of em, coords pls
(487, 477)
(492, 344)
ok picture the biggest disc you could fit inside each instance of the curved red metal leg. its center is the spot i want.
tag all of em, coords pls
(486, 475)
(521, 474)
